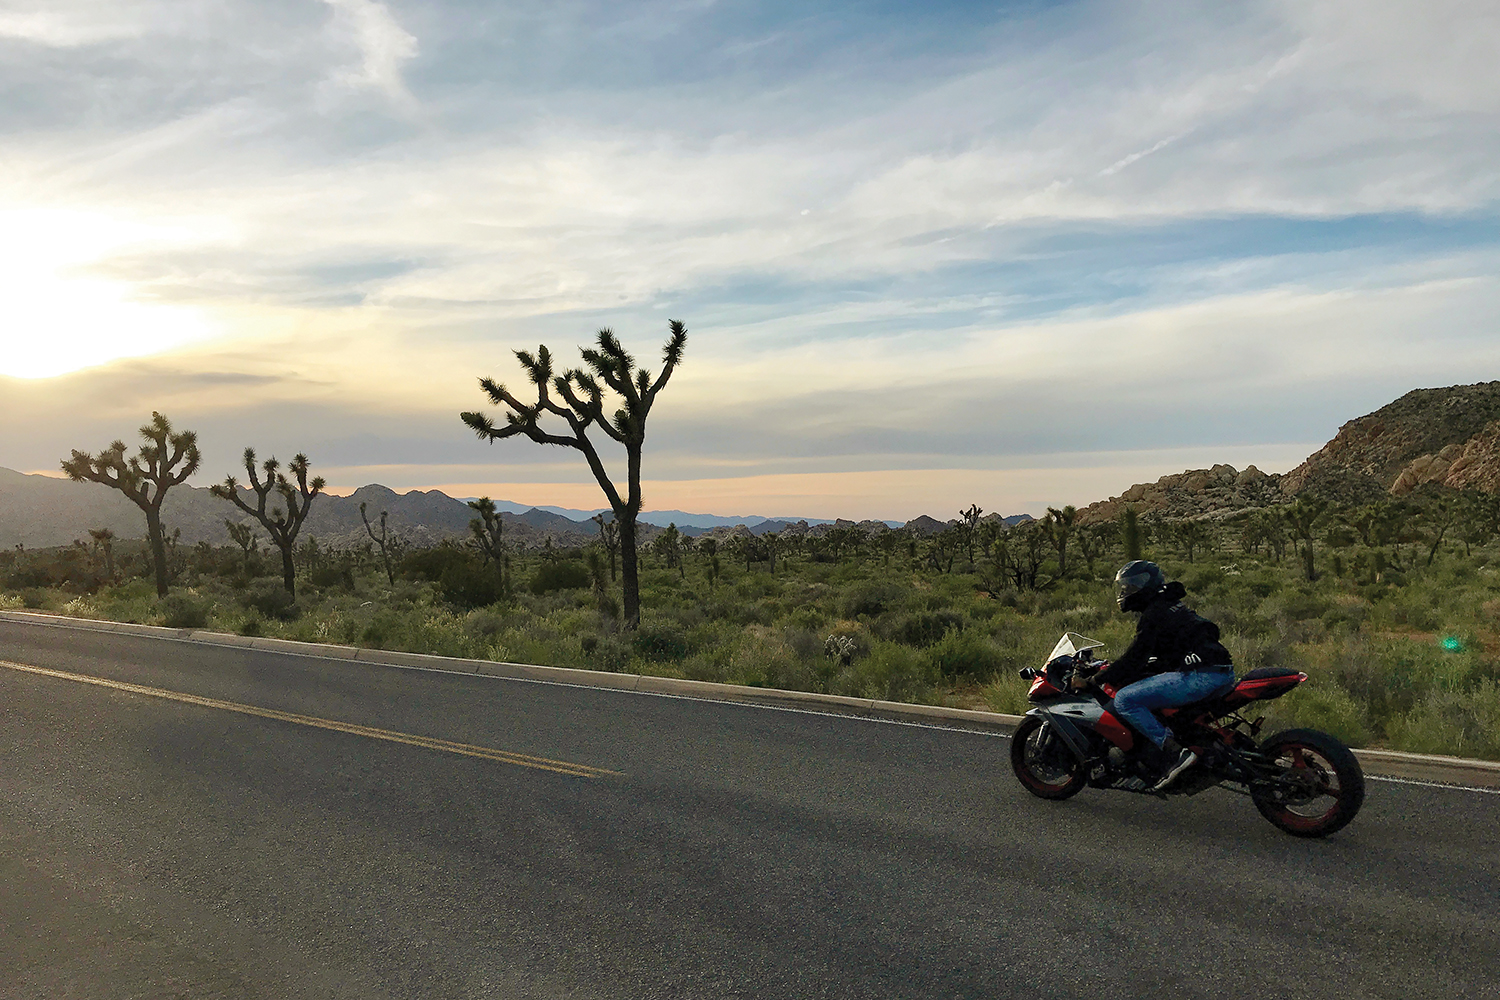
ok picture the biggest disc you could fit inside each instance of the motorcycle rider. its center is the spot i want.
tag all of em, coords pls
(1175, 659)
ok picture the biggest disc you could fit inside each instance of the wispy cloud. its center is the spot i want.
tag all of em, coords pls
(384, 48)
(844, 202)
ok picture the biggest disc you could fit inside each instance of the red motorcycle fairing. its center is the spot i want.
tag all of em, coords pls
(1086, 712)
(1115, 731)
(1042, 688)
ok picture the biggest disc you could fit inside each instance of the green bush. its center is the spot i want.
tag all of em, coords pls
(922, 629)
(660, 642)
(964, 654)
(331, 576)
(469, 584)
(1464, 724)
(559, 575)
(871, 597)
(1324, 706)
(891, 672)
(270, 598)
(607, 652)
(183, 611)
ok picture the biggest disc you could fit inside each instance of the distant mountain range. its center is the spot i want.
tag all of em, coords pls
(1448, 436)
(41, 511)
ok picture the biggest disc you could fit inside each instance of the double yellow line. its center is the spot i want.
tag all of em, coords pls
(410, 739)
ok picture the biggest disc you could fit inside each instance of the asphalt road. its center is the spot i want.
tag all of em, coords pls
(152, 847)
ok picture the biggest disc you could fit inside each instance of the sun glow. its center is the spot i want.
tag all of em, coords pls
(60, 315)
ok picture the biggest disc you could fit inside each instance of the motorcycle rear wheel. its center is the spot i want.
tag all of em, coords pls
(1043, 764)
(1326, 786)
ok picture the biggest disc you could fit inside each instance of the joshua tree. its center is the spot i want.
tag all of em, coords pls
(1092, 540)
(1439, 513)
(281, 525)
(609, 537)
(384, 540)
(144, 478)
(1304, 515)
(582, 395)
(104, 539)
(243, 535)
(668, 545)
(968, 523)
(1192, 535)
(1059, 529)
(487, 529)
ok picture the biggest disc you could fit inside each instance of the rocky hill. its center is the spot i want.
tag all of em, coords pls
(1449, 436)
(1219, 491)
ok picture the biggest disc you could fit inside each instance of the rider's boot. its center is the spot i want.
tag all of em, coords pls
(1175, 758)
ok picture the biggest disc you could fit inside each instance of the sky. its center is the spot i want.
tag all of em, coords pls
(1017, 254)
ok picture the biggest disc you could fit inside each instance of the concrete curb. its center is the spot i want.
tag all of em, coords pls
(1379, 763)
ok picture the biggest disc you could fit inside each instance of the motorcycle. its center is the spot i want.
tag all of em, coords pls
(1306, 782)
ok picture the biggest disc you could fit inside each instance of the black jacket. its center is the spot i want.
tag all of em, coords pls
(1175, 636)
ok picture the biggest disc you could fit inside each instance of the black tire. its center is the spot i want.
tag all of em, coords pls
(1335, 784)
(1043, 764)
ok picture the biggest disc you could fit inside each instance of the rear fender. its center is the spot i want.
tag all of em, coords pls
(1073, 737)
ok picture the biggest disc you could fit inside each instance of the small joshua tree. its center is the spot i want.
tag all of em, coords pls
(1060, 529)
(384, 540)
(487, 530)
(579, 404)
(282, 525)
(165, 460)
(245, 537)
(104, 539)
(609, 537)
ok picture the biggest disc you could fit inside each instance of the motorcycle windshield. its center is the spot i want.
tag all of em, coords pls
(1072, 643)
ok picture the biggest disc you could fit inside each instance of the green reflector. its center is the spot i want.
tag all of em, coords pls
(1453, 644)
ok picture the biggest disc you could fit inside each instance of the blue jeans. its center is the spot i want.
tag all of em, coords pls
(1135, 702)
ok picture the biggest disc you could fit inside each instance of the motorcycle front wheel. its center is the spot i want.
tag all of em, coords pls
(1043, 762)
(1319, 785)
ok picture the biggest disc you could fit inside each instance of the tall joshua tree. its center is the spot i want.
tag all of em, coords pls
(282, 525)
(165, 460)
(1060, 529)
(582, 396)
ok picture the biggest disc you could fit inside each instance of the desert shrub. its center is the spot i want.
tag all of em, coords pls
(660, 642)
(331, 576)
(892, 672)
(921, 629)
(1198, 579)
(270, 598)
(1324, 706)
(763, 658)
(180, 610)
(964, 654)
(561, 574)
(469, 584)
(1006, 693)
(429, 563)
(606, 652)
(384, 627)
(871, 597)
(1299, 604)
(1447, 722)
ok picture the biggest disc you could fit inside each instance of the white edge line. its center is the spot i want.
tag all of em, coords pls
(1432, 784)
